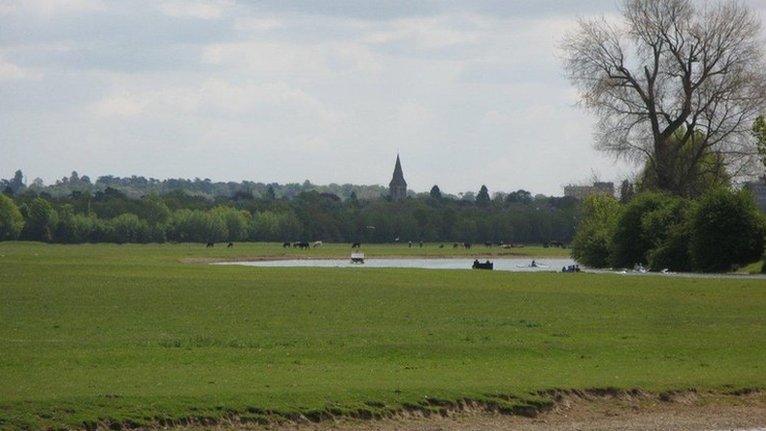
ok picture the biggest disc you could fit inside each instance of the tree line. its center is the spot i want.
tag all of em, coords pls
(113, 216)
(717, 232)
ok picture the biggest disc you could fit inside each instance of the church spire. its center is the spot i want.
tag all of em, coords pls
(398, 187)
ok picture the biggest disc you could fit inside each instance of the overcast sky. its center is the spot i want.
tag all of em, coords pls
(469, 92)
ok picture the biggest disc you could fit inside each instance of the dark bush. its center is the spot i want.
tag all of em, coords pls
(591, 245)
(666, 231)
(726, 230)
(630, 243)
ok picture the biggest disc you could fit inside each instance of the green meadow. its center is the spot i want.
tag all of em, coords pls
(138, 335)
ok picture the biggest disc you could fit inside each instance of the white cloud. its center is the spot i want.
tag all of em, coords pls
(268, 59)
(54, 7)
(10, 71)
(215, 97)
(208, 9)
(121, 105)
(257, 24)
(422, 33)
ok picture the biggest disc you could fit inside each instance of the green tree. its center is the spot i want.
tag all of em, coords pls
(630, 243)
(155, 210)
(16, 183)
(11, 220)
(270, 193)
(695, 168)
(726, 230)
(666, 229)
(129, 228)
(237, 222)
(289, 226)
(73, 228)
(519, 196)
(265, 227)
(41, 220)
(591, 245)
(435, 193)
(482, 199)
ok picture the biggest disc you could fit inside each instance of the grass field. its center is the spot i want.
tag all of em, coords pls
(129, 334)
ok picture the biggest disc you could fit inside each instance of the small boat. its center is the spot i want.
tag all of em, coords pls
(536, 265)
(357, 257)
(485, 265)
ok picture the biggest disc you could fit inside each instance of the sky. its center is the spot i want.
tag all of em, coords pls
(468, 92)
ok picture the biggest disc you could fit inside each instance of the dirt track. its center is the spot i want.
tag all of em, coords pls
(686, 412)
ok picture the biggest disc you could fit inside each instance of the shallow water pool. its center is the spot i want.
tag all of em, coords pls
(515, 265)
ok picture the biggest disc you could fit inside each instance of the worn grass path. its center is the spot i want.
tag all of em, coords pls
(129, 334)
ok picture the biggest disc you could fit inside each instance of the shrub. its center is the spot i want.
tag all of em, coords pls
(665, 230)
(197, 226)
(11, 220)
(237, 222)
(726, 230)
(129, 228)
(631, 243)
(591, 245)
(73, 228)
(41, 220)
(673, 253)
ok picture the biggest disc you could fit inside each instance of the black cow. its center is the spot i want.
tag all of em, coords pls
(302, 245)
(230, 245)
(210, 244)
(356, 245)
(285, 244)
(467, 245)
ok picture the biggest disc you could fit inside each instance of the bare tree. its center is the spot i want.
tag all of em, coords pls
(672, 68)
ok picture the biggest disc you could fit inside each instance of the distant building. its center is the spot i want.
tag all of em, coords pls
(397, 188)
(582, 192)
(758, 189)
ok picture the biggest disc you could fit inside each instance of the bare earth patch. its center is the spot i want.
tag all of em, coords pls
(668, 412)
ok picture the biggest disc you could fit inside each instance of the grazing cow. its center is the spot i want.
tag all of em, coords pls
(230, 245)
(467, 245)
(303, 245)
(210, 244)
(356, 245)
(316, 244)
(488, 244)
(553, 244)
(286, 244)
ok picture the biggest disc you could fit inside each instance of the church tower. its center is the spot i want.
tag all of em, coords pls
(398, 187)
